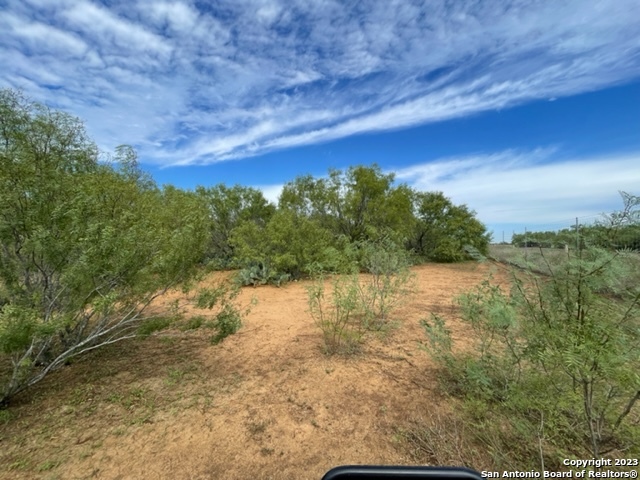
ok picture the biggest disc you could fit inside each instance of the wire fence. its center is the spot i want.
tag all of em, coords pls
(576, 233)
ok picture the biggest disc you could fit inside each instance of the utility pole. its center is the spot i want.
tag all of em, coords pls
(577, 236)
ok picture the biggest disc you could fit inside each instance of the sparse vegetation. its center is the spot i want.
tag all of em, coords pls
(340, 317)
(554, 369)
(443, 440)
(360, 303)
(387, 283)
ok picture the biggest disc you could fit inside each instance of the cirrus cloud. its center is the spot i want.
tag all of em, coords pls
(193, 84)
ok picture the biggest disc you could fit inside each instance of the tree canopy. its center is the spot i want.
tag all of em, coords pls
(85, 246)
(359, 203)
(364, 204)
(443, 229)
(228, 208)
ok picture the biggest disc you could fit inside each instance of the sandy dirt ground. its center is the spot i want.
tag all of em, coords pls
(267, 403)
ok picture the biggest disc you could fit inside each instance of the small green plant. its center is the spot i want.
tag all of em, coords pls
(388, 282)
(251, 275)
(211, 297)
(82, 394)
(48, 465)
(340, 318)
(227, 322)
(115, 397)
(21, 464)
(228, 318)
(174, 376)
(5, 416)
(258, 427)
(152, 325)
(193, 323)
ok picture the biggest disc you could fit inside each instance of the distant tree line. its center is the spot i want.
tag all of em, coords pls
(603, 234)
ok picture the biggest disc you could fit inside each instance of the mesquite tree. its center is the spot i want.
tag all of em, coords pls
(85, 246)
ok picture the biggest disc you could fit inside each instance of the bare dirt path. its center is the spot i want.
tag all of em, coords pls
(267, 403)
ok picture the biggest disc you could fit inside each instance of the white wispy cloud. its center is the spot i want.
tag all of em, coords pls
(192, 85)
(42, 37)
(108, 32)
(271, 192)
(534, 187)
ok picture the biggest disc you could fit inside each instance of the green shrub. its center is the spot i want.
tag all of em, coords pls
(228, 318)
(388, 281)
(86, 251)
(285, 248)
(339, 318)
(193, 323)
(227, 322)
(360, 303)
(553, 354)
(153, 325)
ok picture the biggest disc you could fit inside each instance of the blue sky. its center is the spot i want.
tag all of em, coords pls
(527, 111)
